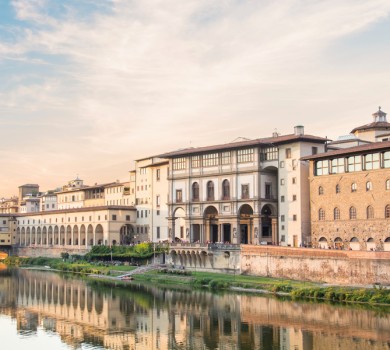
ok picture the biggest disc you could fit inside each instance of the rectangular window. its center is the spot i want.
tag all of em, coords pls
(322, 167)
(137, 229)
(127, 217)
(158, 231)
(158, 174)
(142, 213)
(179, 196)
(386, 159)
(294, 217)
(245, 155)
(158, 201)
(142, 229)
(270, 153)
(282, 199)
(114, 218)
(337, 165)
(179, 163)
(137, 213)
(354, 163)
(210, 159)
(245, 191)
(294, 180)
(314, 150)
(157, 212)
(195, 161)
(181, 231)
(268, 191)
(281, 164)
(281, 182)
(372, 161)
(225, 158)
(282, 218)
(294, 197)
(288, 153)
(146, 213)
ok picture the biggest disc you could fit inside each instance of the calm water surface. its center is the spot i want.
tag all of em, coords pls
(46, 310)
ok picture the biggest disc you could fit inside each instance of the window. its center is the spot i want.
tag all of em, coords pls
(336, 214)
(281, 164)
(354, 163)
(282, 218)
(210, 191)
(158, 174)
(179, 163)
(158, 231)
(270, 153)
(386, 159)
(181, 231)
(282, 199)
(352, 213)
(195, 192)
(353, 187)
(245, 155)
(158, 200)
(225, 189)
(114, 218)
(146, 213)
(245, 191)
(210, 159)
(320, 190)
(268, 190)
(294, 217)
(337, 188)
(294, 180)
(337, 165)
(370, 212)
(372, 161)
(179, 196)
(368, 186)
(321, 214)
(195, 161)
(281, 182)
(387, 186)
(314, 150)
(142, 213)
(294, 198)
(288, 152)
(127, 217)
(225, 158)
(157, 212)
(322, 167)
(387, 212)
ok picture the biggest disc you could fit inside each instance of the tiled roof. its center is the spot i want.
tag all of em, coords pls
(374, 125)
(269, 141)
(385, 145)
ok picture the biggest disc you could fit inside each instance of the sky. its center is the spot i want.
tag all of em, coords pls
(89, 86)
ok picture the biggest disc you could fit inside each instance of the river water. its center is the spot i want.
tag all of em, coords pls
(46, 310)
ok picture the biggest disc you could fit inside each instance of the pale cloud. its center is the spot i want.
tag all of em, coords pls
(135, 78)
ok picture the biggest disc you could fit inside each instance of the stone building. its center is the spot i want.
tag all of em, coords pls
(350, 197)
(244, 192)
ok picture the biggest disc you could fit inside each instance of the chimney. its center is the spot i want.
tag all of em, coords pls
(299, 130)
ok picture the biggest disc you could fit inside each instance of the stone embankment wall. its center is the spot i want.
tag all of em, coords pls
(317, 265)
(49, 252)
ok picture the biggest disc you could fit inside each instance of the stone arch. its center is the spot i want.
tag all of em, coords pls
(62, 235)
(323, 243)
(370, 243)
(68, 239)
(18, 236)
(386, 244)
(39, 235)
(179, 224)
(245, 213)
(354, 243)
(267, 211)
(245, 210)
(82, 235)
(210, 215)
(50, 235)
(44, 235)
(99, 234)
(126, 234)
(28, 234)
(90, 237)
(75, 235)
(56, 235)
(338, 243)
(23, 234)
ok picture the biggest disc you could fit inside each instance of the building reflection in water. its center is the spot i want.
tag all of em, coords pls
(139, 317)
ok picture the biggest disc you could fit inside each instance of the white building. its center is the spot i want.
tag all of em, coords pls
(247, 192)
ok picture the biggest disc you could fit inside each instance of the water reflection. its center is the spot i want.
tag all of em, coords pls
(140, 317)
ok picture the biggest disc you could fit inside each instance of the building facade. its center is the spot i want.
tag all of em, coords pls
(350, 197)
(246, 192)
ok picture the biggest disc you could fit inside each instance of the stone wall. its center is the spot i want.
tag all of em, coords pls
(317, 265)
(50, 252)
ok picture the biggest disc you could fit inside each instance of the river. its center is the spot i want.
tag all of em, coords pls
(47, 310)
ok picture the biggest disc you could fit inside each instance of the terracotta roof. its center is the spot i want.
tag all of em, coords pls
(374, 125)
(351, 150)
(269, 141)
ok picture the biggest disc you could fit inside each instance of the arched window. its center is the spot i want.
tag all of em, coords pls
(321, 214)
(368, 186)
(336, 214)
(352, 213)
(320, 190)
(337, 188)
(225, 189)
(195, 192)
(387, 186)
(210, 191)
(353, 187)
(370, 212)
(387, 212)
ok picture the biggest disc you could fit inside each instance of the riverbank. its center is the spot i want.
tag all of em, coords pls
(111, 272)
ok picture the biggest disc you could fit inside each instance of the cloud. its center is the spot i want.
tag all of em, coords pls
(130, 77)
